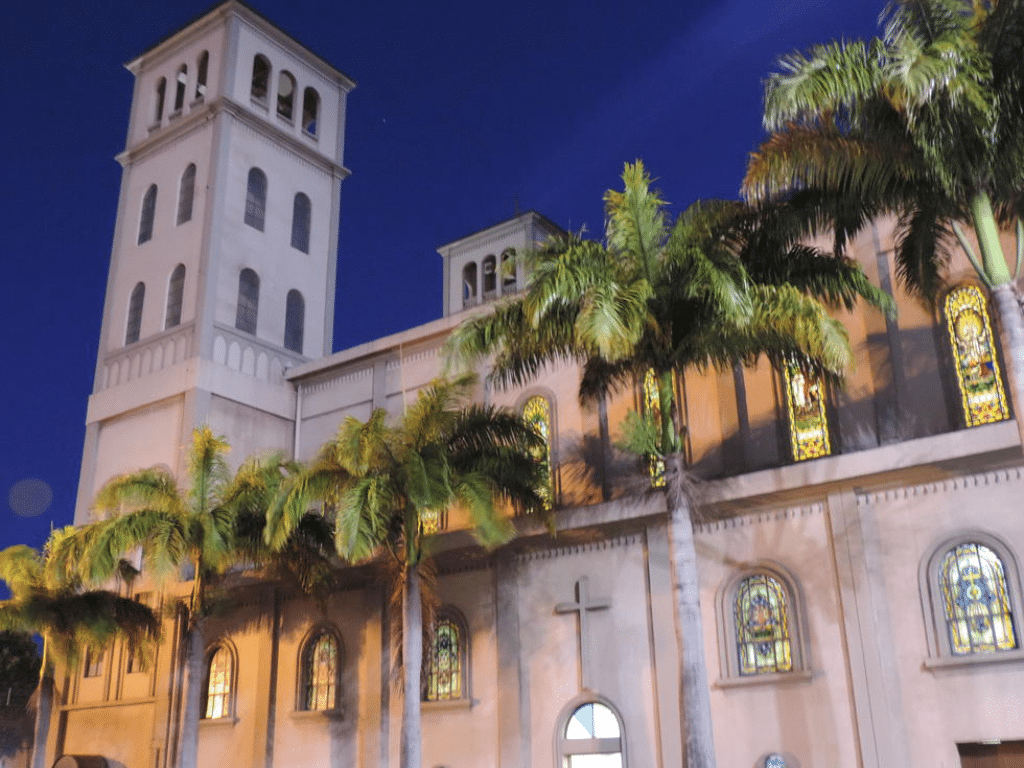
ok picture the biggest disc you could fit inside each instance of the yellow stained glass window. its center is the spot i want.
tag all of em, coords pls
(763, 640)
(320, 673)
(444, 672)
(979, 618)
(537, 413)
(808, 420)
(218, 684)
(652, 406)
(977, 370)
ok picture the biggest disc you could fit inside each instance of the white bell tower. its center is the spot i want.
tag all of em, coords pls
(224, 256)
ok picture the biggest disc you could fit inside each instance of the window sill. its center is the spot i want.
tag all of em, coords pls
(317, 715)
(198, 101)
(261, 103)
(154, 127)
(977, 659)
(446, 704)
(174, 115)
(309, 135)
(218, 722)
(774, 678)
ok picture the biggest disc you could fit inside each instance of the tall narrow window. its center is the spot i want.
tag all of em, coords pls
(161, 95)
(592, 738)
(181, 80)
(260, 77)
(175, 293)
(320, 673)
(256, 199)
(490, 266)
(285, 95)
(201, 70)
(469, 284)
(652, 409)
(977, 369)
(761, 615)
(219, 674)
(537, 413)
(134, 327)
(445, 667)
(508, 271)
(148, 214)
(310, 110)
(294, 321)
(808, 419)
(248, 301)
(186, 193)
(301, 214)
(93, 666)
(975, 600)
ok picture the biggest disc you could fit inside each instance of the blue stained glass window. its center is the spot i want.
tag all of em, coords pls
(763, 640)
(979, 617)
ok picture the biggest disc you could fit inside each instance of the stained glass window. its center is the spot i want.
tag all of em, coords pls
(652, 407)
(761, 614)
(808, 421)
(218, 684)
(433, 520)
(444, 663)
(979, 617)
(592, 738)
(977, 370)
(320, 673)
(537, 413)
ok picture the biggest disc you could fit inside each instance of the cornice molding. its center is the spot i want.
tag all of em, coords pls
(981, 479)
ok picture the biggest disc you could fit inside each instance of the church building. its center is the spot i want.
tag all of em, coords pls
(860, 549)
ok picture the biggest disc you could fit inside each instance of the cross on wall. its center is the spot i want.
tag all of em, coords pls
(583, 605)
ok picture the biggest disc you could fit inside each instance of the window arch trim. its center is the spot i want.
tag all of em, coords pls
(175, 297)
(136, 305)
(147, 214)
(256, 186)
(564, 746)
(453, 616)
(247, 310)
(303, 666)
(230, 695)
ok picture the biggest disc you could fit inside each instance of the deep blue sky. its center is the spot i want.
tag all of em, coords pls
(462, 109)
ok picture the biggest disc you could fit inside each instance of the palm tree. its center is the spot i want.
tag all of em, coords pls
(927, 123)
(53, 604)
(205, 528)
(380, 483)
(668, 298)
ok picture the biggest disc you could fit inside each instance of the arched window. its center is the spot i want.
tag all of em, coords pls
(134, 327)
(761, 618)
(310, 110)
(445, 668)
(490, 265)
(248, 301)
(591, 737)
(808, 420)
(469, 284)
(186, 193)
(161, 95)
(652, 409)
(181, 80)
(175, 293)
(201, 70)
(260, 77)
(301, 213)
(320, 673)
(294, 321)
(977, 368)
(508, 271)
(256, 199)
(148, 214)
(219, 683)
(537, 413)
(976, 604)
(285, 94)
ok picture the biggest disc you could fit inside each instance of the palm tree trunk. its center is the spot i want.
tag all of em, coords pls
(1011, 338)
(44, 709)
(412, 664)
(188, 748)
(694, 693)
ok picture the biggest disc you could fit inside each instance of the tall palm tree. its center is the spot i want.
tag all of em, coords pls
(380, 482)
(926, 122)
(53, 604)
(668, 298)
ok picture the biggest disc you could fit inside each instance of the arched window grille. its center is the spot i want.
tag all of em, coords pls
(976, 600)
(310, 110)
(285, 95)
(201, 71)
(161, 96)
(446, 660)
(490, 265)
(181, 80)
(294, 321)
(591, 738)
(175, 294)
(302, 212)
(248, 301)
(978, 377)
(762, 625)
(134, 327)
(219, 682)
(469, 284)
(808, 419)
(186, 193)
(256, 199)
(148, 215)
(260, 77)
(537, 413)
(320, 673)
(652, 407)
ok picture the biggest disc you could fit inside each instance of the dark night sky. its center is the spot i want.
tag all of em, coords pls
(461, 110)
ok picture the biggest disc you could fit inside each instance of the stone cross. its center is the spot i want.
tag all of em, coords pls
(583, 604)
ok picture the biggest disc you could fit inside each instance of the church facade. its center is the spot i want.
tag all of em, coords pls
(859, 549)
